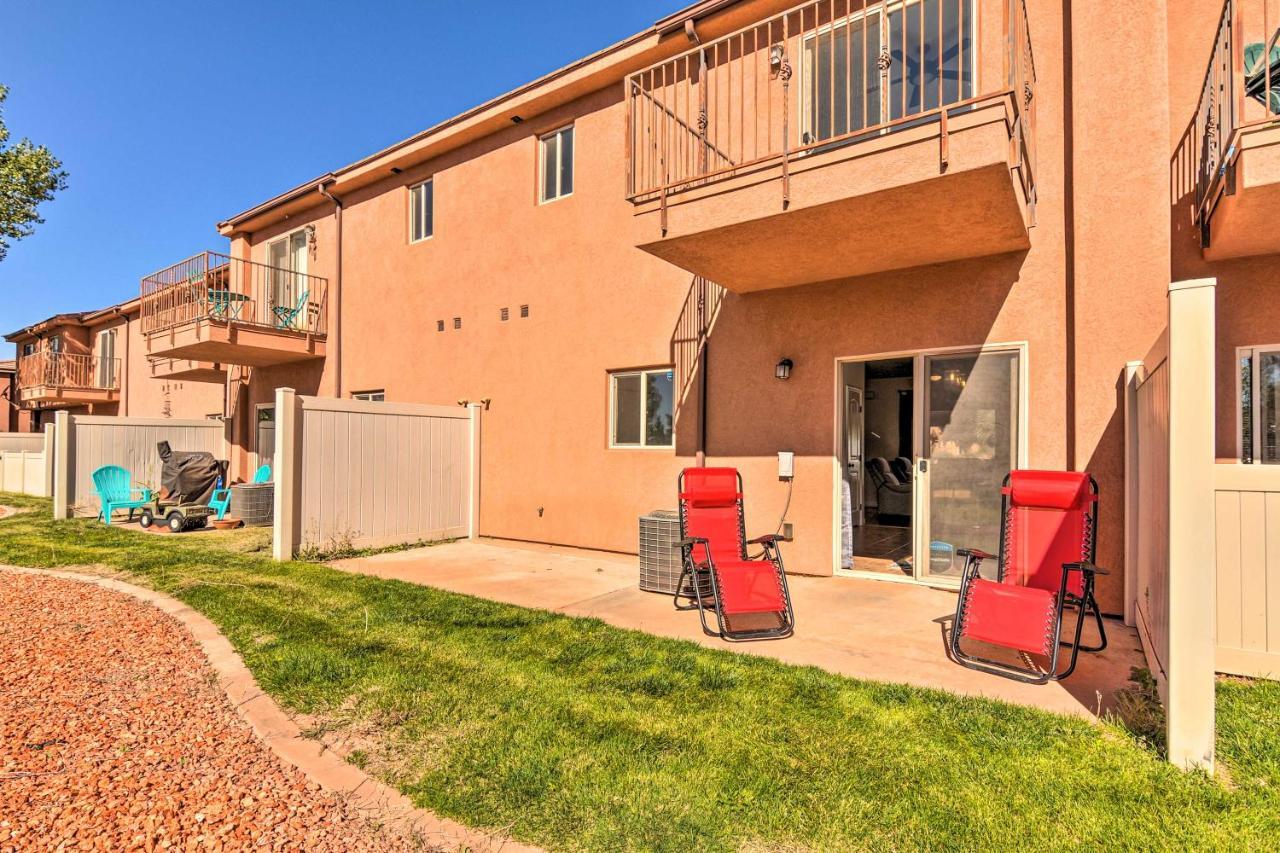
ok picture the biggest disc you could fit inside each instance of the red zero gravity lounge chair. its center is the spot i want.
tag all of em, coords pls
(749, 597)
(1045, 567)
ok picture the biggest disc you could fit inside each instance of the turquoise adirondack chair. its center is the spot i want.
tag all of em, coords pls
(220, 502)
(115, 491)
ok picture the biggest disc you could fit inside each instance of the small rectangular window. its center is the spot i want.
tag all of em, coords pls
(28, 349)
(457, 322)
(1259, 394)
(421, 211)
(556, 157)
(505, 314)
(524, 310)
(643, 410)
(439, 325)
(378, 396)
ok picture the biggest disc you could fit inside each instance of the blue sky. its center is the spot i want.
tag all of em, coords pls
(172, 115)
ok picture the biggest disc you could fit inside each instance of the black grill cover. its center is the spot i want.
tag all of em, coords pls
(187, 477)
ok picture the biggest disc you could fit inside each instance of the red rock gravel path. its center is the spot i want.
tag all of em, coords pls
(114, 735)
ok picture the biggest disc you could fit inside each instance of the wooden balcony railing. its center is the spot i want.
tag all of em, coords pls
(215, 287)
(62, 370)
(1241, 90)
(860, 68)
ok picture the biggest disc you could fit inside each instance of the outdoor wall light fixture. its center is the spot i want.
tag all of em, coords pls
(783, 370)
(775, 57)
(516, 119)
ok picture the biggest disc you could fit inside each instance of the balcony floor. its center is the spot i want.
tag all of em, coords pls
(47, 395)
(867, 206)
(234, 343)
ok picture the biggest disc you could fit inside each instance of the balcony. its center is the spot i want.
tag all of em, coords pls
(825, 142)
(48, 379)
(216, 309)
(1235, 136)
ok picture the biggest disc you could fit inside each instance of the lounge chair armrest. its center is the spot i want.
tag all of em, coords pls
(767, 539)
(689, 542)
(976, 554)
(1084, 567)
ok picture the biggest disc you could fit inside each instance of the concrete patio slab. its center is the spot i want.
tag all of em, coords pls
(877, 630)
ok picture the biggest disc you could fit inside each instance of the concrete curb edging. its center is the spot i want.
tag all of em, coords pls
(283, 737)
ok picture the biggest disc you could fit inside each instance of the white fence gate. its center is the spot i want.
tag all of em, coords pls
(84, 443)
(24, 462)
(356, 474)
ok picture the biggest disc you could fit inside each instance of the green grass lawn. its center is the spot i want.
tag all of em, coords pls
(576, 735)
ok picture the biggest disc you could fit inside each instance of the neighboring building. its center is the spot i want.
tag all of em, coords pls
(942, 229)
(8, 396)
(95, 362)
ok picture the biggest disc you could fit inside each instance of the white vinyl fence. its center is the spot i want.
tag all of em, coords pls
(1170, 563)
(85, 443)
(25, 458)
(359, 474)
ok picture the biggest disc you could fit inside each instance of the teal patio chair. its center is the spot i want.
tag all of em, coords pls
(220, 502)
(1258, 58)
(286, 317)
(115, 491)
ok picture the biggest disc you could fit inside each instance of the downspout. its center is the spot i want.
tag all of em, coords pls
(335, 333)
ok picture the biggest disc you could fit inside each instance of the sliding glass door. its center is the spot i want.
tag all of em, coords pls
(971, 430)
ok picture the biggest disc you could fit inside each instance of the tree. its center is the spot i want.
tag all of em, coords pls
(29, 175)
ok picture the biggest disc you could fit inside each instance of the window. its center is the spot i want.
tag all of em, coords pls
(1259, 396)
(504, 314)
(28, 349)
(106, 369)
(524, 310)
(55, 343)
(642, 407)
(457, 322)
(421, 211)
(370, 396)
(557, 164)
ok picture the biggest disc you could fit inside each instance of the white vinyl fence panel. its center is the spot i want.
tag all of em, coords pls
(32, 442)
(23, 472)
(376, 474)
(1151, 518)
(94, 441)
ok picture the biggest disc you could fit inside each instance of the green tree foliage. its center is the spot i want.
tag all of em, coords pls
(29, 175)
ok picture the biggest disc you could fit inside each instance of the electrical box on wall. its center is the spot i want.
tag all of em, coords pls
(786, 464)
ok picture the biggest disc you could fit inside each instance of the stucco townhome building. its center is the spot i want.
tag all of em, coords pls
(94, 363)
(914, 244)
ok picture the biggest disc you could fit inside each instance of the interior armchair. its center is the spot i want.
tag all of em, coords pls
(893, 497)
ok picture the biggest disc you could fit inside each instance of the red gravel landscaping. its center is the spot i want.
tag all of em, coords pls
(114, 735)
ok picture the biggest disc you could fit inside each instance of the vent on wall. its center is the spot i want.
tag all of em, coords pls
(505, 313)
(457, 322)
(439, 325)
(524, 310)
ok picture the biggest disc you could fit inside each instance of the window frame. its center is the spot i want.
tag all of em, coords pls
(369, 396)
(543, 140)
(1253, 353)
(286, 239)
(643, 373)
(411, 208)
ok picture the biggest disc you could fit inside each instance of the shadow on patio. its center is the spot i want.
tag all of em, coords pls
(891, 632)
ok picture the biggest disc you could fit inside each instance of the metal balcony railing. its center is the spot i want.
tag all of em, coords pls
(216, 287)
(822, 74)
(1241, 89)
(62, 370)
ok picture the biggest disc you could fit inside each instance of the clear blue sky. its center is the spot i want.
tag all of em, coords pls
(172, 114)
